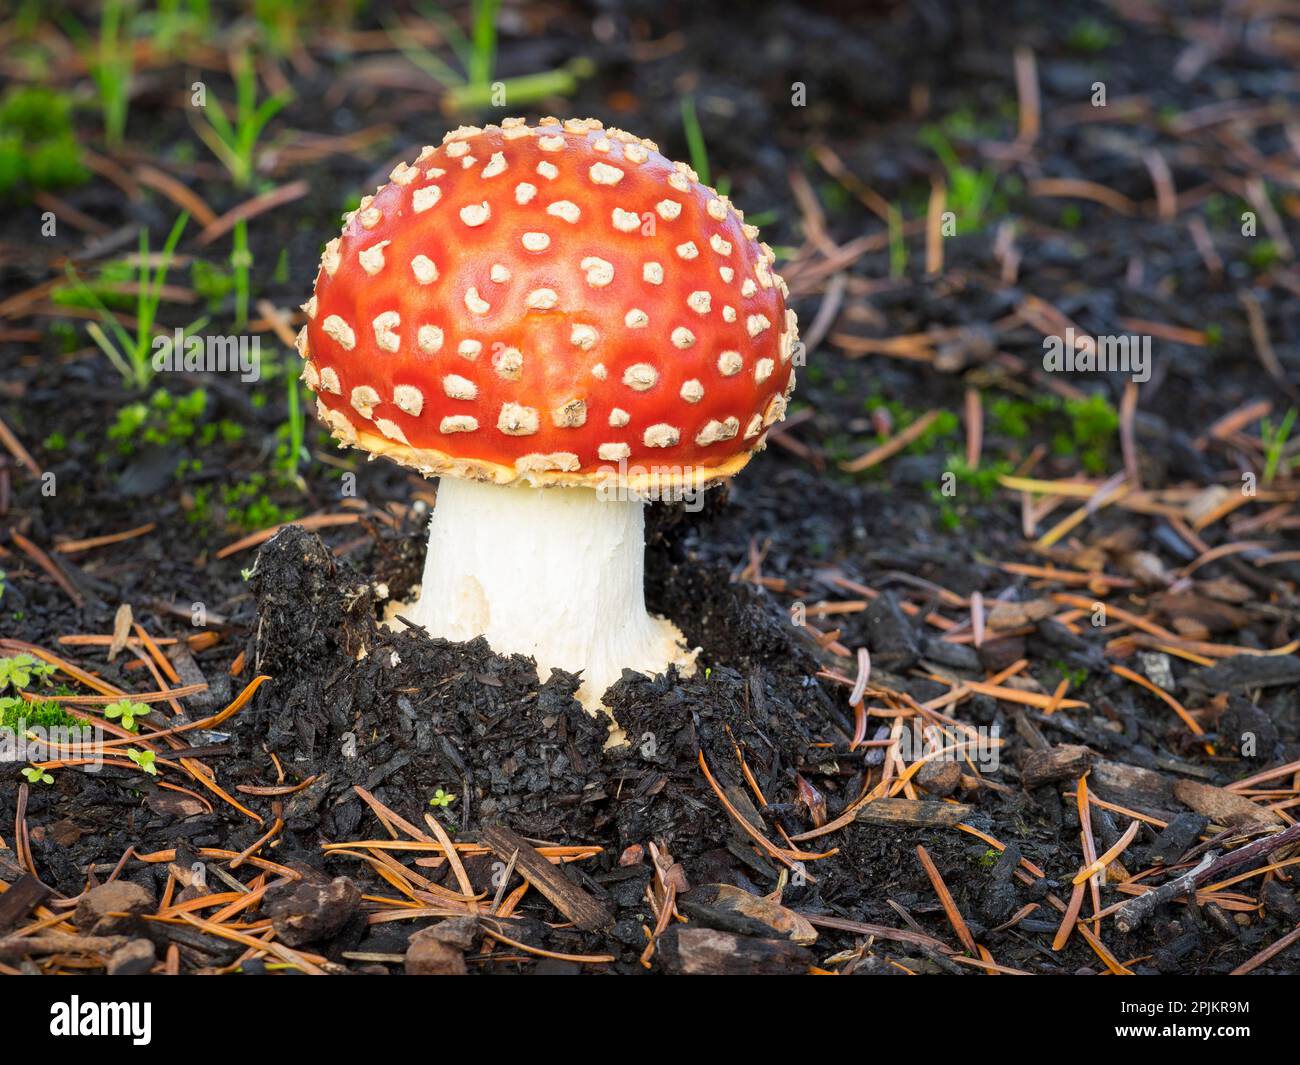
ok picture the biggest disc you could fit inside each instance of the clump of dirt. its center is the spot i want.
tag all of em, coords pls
(402, 714)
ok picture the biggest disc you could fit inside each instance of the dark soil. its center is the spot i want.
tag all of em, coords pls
(352, 705)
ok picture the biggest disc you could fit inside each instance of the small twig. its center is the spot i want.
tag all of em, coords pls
(1131, 915)
(1128, 433)
(1027, 90)
(15, 448)
(827, 311)
(1163, 182)
(934, 228)
(47, 564)
(892, 446)
(249, 209)
(23, 946)
(974, 427)
(946, 900)
(1260, 339)
(72, 547)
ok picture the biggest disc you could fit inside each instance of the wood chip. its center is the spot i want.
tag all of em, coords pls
(585, 911)
(728, 899)
(912, 813)
(1224, 807)
(19, 899)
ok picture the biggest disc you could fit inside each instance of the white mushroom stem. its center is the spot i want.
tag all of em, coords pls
(554, 573)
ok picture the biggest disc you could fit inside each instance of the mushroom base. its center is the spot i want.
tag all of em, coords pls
(556, 573)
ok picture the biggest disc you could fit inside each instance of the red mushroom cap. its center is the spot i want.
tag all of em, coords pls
(555, 305)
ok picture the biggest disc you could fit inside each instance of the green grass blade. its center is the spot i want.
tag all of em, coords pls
(695, 140)
(484, 53)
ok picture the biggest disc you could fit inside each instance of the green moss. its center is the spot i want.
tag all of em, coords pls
(1076, 677)
(45, 714)
(163, 420)
(1084, 427)
(1013, 417)
(971, 484)
(983, 480)
(1092, 419)
(1093, 424)
(38, 149)
(249, 506)
(167, 420)
(211, 282)
(1263, 254)
(36, 113)
(949, 518)
(1092, 35)
(198, 510)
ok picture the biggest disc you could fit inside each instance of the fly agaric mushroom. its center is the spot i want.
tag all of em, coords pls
(554, 320)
